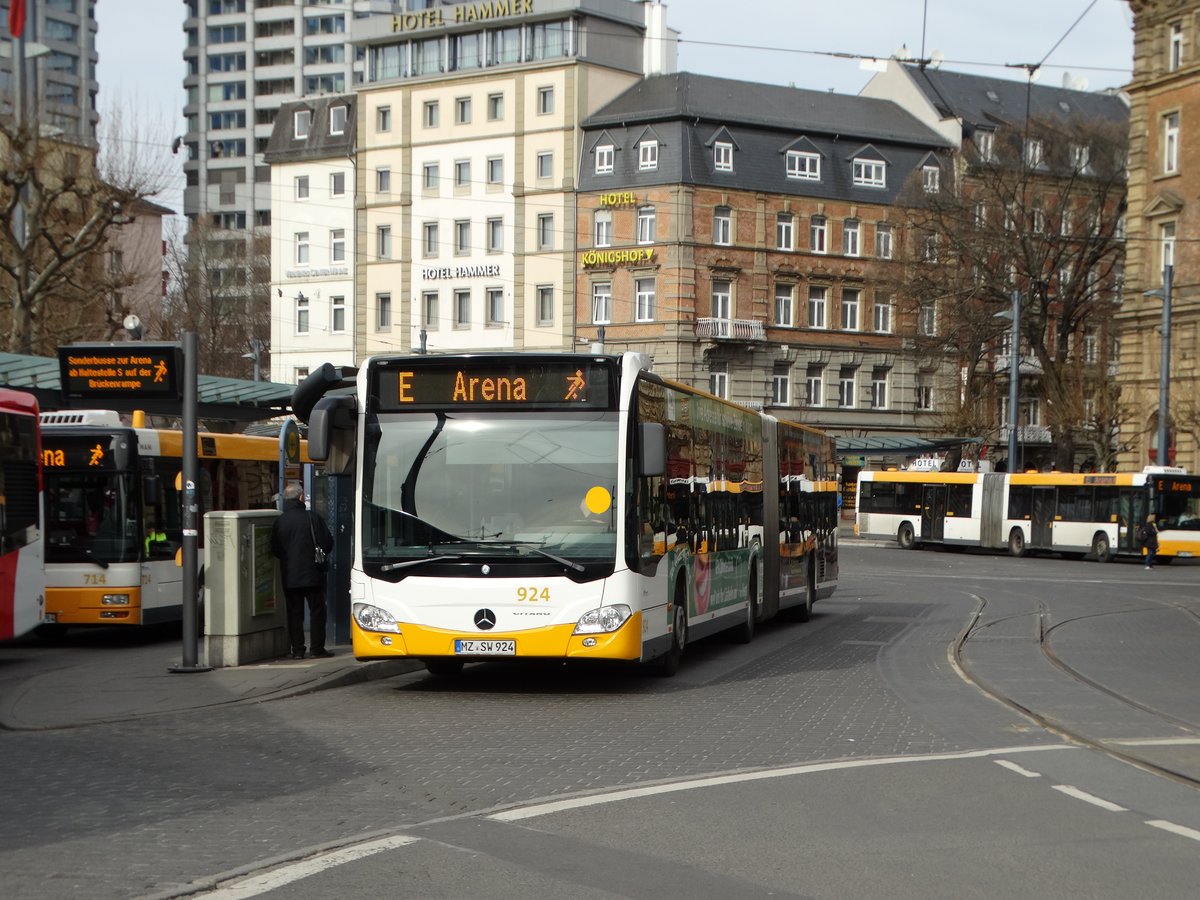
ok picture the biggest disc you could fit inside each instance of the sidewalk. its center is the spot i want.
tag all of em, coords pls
(115, 685)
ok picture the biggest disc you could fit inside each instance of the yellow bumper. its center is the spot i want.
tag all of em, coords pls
(85, 606)
(551, 642)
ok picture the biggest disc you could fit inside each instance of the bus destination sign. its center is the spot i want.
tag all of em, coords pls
(539, 383)
(1165, 484)
(123, 370)
(104, 452)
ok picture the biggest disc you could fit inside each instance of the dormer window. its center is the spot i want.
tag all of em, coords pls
(604, 159)
(985, 143)
(1080, 156)
(803, 165)
(303, 123)
(723, 156)
(648, 156)
(931, 179)
(869, 173)
(1033, 152)
(337, 120)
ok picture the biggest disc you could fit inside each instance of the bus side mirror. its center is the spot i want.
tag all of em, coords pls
(652, 441)
(152, 489)
(328, 414)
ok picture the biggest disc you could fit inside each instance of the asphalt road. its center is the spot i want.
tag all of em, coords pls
(938, 730)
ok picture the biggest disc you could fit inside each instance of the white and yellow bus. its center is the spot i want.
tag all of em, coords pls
(21, 534)
(1063, 512)
(113, 512)
(564, 506)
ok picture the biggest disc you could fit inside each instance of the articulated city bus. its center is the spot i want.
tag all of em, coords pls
(113, 512)
(21, 535)
(1069, 513)
(567, 506)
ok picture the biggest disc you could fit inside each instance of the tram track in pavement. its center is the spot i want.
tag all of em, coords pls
(971, 676)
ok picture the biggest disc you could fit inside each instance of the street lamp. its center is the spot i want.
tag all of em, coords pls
(1164, 369)
(256, 347)
(1014, 366)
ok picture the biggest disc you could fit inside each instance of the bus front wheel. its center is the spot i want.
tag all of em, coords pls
(668, 663)
(905, 536)
(1016, 542)
(1101, 548)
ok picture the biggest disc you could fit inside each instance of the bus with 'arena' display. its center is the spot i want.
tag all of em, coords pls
(21, 533)
(563, 506)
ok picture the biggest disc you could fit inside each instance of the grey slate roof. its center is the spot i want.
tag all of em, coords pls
(989, 101)
(283, 146)
(705, 97)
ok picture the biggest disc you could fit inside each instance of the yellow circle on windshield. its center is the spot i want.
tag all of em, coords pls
(598, 500)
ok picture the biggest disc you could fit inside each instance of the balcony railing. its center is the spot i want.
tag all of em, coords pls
(1028, 434)
(731, 329)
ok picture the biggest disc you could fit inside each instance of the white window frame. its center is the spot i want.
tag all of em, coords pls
(785, 232)
(985, 143)
(931, 179)
(545, 101)
(927, 319)
(336, 126)
(462, 308)
(545, 304)
(718, 381)
(721, 298)
(1171, 137)
(545, 164)
(495, 107)
(462, 237)
(302, 312)
(605, 156)
(847, 388)
(337, 310)
(818, 306)
(383, 119)
(462, 110)
(645, 291)
(881, 314)
(602, 303)
(545, 231)
(494, 169)
(494, 312)
(383, 180)
(1175, 47)
(383, 311)
(723, 156)
(1166, 253)
(781, 389)
(301, 183)
(814, 388)
(302, 248)
(383, 242)
(883, 241)
(648, 155)
(852, 237)
(430, 240)
(869, 172)
(785, 304)
(462, 173)
(1034, 154)
(431, 177)
(802, 165)
(602, 230)
(647, 224)
(302, 123)
(337, 184)
(851, 307)
(430, 114)
(879, 388)
(337, 245)
(924, 396)
(722, 226)
(818, 234)
(430, 300)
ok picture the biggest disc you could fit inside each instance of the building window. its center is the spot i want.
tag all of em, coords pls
(429, 114)
(817, 233)
(462, 308)
(929, 252)
(604, 159)
(302, 187)
(1034, 149)
(817, 299)
(1166, 236)
(648, 156)
(337, 184)
(430, 176)
(462, 237)
(545, 304)
(545, 231)
(1091, 349)
(383, 242)
(337, 120)
(814, 386)
(429, 239)
(545, 101)
(429, 310)
(781, 388)
(337, 319)
(302, 123)
(803, 165)
(603, 228)
(879, 388)
(645, 225)
(495, 234)
(723, 156)
(545, 164)
(931, 179)
(882, 321)
(722, 226)
(851, 238)
(462, 173)
(985, 143)
(718, 381)
(869, 173)
(722, 299)
(785, 231)
(1170, 157)
(850, 301)
(302, 248)
(495, 107)
(784, 300)
(1175, 48)
(495, 170)
(1081, 155)
(383, 312)
(383, 180)
(494, 301)
(383, 122)
(927, 318)
(601, 303)
(644, 299)
(924, 398)
(846, 376)
(301, 314)
(883, 241)
(1037, 220)
(337, 245)
(462, 111)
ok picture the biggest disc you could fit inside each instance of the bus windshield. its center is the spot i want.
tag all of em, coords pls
(90, 517)
(480, 483)
(1179, 502)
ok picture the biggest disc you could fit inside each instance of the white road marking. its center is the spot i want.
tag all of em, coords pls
(1158, 742)
(277, 878)
(1013, 767)
(1089, 798)
(553, 806)
(1175, 829)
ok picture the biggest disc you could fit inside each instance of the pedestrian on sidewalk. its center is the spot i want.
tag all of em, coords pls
(295, 535)
(1148, 535)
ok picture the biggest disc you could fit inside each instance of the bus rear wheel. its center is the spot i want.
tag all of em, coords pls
(744, 633)
(905, 536)
(1101, 548)
(1016, 542)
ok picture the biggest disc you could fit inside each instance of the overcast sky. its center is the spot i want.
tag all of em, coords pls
(140, 44)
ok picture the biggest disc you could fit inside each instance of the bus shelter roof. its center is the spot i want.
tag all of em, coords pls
(869, 446)
(228, 399)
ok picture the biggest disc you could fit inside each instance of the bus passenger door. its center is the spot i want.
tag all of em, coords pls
(1134, 507)
(1041, 525)
(933, 512)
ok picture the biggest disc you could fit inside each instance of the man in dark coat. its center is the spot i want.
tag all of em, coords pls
(294, 538)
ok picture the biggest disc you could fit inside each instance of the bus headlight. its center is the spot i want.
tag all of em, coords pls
(372, 618)
(115, 600)
(604, 620)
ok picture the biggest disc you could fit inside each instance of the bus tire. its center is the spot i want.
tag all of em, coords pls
(1016, 542)
(744, 633)
(444, 668)
(1101, 547)
(668, 663)
(905, 537)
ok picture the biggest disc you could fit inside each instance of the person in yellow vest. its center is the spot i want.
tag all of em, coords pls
(156, 539)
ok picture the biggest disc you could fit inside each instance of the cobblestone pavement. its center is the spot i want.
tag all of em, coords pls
(139, 807)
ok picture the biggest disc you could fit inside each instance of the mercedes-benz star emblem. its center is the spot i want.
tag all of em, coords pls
(485, 620)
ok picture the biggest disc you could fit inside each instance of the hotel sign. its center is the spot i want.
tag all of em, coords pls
(439, 272)
(465, 13)
(618, 198)
(631, 257)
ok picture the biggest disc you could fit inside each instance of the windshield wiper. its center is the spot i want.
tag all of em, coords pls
(558, 559)
(86, 553)
(439, 557)
(531, 547)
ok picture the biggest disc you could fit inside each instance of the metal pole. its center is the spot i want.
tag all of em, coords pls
(1164, 369)
(191, 510)
(1014, 368)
